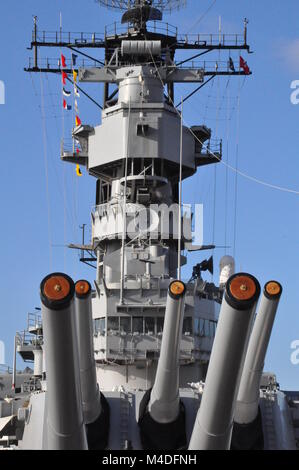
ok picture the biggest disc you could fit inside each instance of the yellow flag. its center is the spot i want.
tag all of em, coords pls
(75, 75)
(78, 171)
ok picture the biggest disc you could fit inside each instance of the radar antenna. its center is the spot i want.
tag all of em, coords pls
(138, 12)
(162, 5)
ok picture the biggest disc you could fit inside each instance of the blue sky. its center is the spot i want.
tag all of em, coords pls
(268, 136)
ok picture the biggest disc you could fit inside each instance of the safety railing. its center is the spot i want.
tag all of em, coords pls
(5, 369)
(211, 66)
(214, 146)
(233, 40)
(157, 27)
(24, 338)
(54, 63)
(34, 320)
(67, 37)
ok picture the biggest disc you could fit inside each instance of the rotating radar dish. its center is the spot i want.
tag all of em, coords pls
(162, 5)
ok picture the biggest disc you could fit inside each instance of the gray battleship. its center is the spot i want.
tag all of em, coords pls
(142, 360)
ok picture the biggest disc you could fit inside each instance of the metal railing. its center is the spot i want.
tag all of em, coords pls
(209, 66)
(54, 63)
(24, 338)
(214, 146)
(5, 369)
(118, 29)
(34, 320)
(68, 37)
(212, 39)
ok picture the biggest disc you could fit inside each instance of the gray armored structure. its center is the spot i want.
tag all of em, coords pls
(127, 365)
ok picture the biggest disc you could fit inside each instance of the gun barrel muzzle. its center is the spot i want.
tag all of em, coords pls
(66, 430)
(249, 391)
(214, 421)
(165, 401)
(91, 398)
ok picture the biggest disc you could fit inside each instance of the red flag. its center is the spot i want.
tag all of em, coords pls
(66, 106)
(78, 121)
(244, 66)
(64, 77)
(63, 63)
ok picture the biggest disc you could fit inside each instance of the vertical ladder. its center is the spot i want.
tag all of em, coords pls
(269, 423)
(124, 419)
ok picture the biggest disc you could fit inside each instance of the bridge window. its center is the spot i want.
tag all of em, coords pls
(160, 324)
(125, 324)
(113, 324)
(100, 325)
(137, 325)
(187, 326)
(149, 325)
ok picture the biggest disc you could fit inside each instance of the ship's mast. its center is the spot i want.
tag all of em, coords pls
(139, 155)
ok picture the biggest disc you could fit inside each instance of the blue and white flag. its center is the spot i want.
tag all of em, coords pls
(76, 91)
(66, 92)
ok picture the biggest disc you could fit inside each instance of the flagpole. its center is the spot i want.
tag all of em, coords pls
(60, 27)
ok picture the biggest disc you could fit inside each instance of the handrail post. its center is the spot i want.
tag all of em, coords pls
(35, 40)
(245, 31)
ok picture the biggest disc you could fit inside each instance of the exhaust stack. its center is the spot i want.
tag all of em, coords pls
(163, 421)
(66, 430)
(247, 406)
(214, 422)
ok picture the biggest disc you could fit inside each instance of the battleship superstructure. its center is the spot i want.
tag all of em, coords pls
(123, 366)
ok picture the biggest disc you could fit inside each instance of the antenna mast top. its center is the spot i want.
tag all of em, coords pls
(165, 5)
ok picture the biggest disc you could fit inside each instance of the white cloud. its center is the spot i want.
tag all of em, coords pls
(288, 52)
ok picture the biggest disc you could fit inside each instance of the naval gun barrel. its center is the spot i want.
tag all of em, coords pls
(162, 421)
(165, 401)
(65, 425)
(249, 390)
(214, 422)
(91, 398)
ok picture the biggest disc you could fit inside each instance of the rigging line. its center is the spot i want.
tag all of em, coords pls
(207, 102)
(195, 91)
(215, 170)
(75, 182)
(202, 16)
(197, 22)
(86, 55)
(64, 169)
(230, 167)
(52, 104)
(86, 94)
(225, 95)
(51, 150)
(236, 175)
(191, 58)
(180, 195)
(226, 173)
(46, 174)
